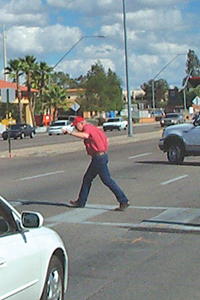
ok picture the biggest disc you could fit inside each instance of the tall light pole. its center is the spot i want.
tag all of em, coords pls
(61, 59)
(83, 37)
(183, 89)
(130, 128)
(153, 80)
(4, 54)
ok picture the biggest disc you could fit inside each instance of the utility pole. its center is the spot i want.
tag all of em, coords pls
(130, 129)
(4, 54)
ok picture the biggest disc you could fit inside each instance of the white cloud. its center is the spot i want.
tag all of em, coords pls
(80, 67)
(23, 12)
(156, 31)
(23, 6)
(41, 40)
(158, 3)
(155, 19)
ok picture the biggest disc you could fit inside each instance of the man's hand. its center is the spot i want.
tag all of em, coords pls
(66, 131)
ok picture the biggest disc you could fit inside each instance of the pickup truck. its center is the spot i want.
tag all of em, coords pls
(115, 123)
(181, 140)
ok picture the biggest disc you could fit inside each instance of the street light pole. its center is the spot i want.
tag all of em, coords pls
(83, 37)
(61, 59)
(153, 80)
(4, 54)
(130, 128)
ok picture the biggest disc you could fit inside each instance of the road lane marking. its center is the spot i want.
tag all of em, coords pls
(41, 175)
(77, 215)
(174, 179)
(139, 155)
(172, 220)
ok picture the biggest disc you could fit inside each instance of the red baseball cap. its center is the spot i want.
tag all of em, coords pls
(77, 120)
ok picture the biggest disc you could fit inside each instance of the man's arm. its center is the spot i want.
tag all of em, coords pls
(81, 135)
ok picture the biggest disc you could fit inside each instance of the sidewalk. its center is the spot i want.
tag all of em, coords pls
(77, 145)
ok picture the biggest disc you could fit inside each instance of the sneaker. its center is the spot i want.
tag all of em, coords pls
(122, 207)
(76, 204)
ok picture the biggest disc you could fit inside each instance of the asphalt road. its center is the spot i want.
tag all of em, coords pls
(150, 251)
(43, 139)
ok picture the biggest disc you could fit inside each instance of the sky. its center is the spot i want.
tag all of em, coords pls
(159, 36)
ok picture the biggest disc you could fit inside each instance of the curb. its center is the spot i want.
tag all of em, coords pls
(51, 150)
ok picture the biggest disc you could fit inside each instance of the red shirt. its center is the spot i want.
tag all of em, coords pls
(97, 141)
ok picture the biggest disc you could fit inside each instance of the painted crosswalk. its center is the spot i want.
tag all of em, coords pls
(166, 219)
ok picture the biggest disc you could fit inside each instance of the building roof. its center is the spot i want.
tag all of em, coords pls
(8, 84)
(194, 81)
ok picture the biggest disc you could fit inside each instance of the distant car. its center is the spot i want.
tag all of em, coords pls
(172, 119)
(59, 125)
(19, 130)
(158, 115)
(181, 140)
(33, 259)
(115, 123)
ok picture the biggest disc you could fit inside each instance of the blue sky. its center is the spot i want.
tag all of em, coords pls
(157, 31)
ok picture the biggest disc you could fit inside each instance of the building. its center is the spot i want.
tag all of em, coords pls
(28, 115)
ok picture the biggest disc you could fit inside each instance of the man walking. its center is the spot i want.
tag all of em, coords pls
(96, 144)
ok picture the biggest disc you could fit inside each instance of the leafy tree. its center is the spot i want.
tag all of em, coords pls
(160, 89)
(147, 88)
(102, 91)
(62, 79)
(191, 94)
(79, 82)
(193, 64)
(114, 92)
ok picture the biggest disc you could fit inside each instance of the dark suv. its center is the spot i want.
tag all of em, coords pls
(19, 130)
(181, 140)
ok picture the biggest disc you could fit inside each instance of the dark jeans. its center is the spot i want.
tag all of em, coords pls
(98, 166)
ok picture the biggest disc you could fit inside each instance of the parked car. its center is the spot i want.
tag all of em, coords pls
(158, 115)
(181, 140)
(20, 130)
(172, 119)
(58, 126)
(115, 123)
(33, 259)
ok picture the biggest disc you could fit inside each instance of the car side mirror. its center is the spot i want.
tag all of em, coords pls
(31, 220)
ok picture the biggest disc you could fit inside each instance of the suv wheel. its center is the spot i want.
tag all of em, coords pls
(175, 154)
(32, 135)
(22, 136)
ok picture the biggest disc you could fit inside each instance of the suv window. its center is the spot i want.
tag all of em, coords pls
(172, 115)
(113, 120)
(17, 126)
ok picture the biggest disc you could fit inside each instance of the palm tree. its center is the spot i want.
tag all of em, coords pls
(55, 97)
(41, 78)
(28, 66)
(14, 70)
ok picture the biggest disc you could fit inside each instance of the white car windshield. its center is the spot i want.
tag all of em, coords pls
(113, 120)
(172, 116)
(59, 124)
